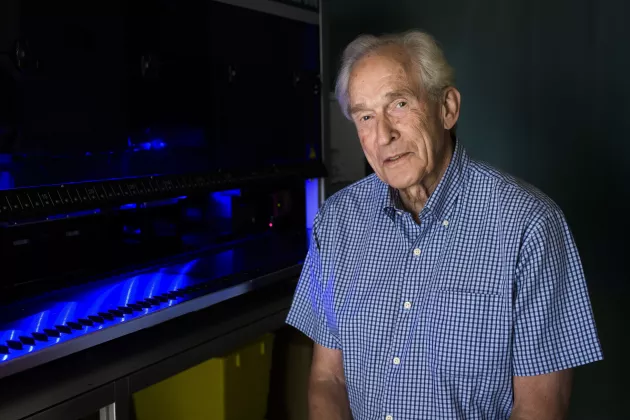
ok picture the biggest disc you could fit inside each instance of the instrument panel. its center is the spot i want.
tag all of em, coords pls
(62, 322)
(23, 203)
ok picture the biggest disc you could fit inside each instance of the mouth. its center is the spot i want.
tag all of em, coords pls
(396, 158)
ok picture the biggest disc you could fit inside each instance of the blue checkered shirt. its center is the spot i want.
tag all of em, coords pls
(434, 319)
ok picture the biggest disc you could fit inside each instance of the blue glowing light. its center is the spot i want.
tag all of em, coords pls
(312, 201)
(158, 144)
(152, 144)
(78, 306)
(194, 213)
(155, 144)
(132, 230)
(223, 202)
(220, 265)
(61, 316)
(6, 181)
(86, 302)
(74, 214)
(155, 203)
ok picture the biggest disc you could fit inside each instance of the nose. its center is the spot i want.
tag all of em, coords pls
(387, 133)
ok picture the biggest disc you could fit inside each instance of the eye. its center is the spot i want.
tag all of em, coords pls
(401, 104)
(365, 118)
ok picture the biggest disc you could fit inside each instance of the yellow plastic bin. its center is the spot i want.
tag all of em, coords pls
(234, 387)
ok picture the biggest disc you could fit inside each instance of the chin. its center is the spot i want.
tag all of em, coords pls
(404, 174)
(401, 185)
(401, 181)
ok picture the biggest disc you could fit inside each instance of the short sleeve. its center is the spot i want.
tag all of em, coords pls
(554, 327)
(311, 311)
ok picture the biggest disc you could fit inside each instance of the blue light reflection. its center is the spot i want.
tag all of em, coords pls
(63, 315)
(103, 297)
(312, 200)
(223, 202)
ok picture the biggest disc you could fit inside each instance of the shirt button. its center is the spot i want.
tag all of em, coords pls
(445, 223)
(407, 305)
(399, 213)
(416, 252)
(396, 360)
(389, 418)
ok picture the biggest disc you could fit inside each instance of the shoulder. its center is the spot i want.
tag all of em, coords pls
(353, 199)
(510, 198)
(344, 213)
(355, 194)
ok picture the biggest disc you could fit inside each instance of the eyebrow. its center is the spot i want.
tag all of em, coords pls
(399, 93)
(358, 108)
(389, 96)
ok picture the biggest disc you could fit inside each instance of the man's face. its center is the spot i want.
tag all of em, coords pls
(400, 129)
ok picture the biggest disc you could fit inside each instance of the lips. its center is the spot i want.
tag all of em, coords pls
(396, 158)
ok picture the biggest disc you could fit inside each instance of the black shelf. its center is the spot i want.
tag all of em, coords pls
(23, 204)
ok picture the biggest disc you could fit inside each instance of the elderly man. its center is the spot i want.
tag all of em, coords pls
(438, 287)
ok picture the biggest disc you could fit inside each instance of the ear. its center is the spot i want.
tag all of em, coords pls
(450, 107)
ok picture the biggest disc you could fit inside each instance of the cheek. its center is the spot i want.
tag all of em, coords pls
(366, 145)
(419, 125)
(370, 150)
(365, 137)
(420, 120)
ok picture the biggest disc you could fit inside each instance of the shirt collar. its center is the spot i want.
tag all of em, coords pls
(442, 199)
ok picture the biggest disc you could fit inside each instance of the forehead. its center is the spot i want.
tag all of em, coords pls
(378, 72)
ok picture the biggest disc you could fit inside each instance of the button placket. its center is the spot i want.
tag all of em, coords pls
(419, 272)
(410, 288)
(413, 272)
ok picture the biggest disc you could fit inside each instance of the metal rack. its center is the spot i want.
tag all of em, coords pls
(77, 386)
(102, 377)
(24, 203)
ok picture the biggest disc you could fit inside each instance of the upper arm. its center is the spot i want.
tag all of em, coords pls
(554, 327)
(542, 397)
(327, 364)
(312, 310)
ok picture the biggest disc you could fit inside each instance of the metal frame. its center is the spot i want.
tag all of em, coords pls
(104, 378)
(26, 205)
(315, 18)
(107, 413)
(80, 406)
(324, 60)
(89, 340)
(278, 9)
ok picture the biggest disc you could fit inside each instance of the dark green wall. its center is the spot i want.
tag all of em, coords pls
(545, 96)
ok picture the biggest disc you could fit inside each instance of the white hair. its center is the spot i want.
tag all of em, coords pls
(428, 60)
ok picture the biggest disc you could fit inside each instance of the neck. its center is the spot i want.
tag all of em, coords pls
(415, 197)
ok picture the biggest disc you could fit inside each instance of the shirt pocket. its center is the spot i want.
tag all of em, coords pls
(468, 333)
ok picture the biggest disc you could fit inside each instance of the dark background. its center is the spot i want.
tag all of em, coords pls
(95, 80)
(545, 96)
